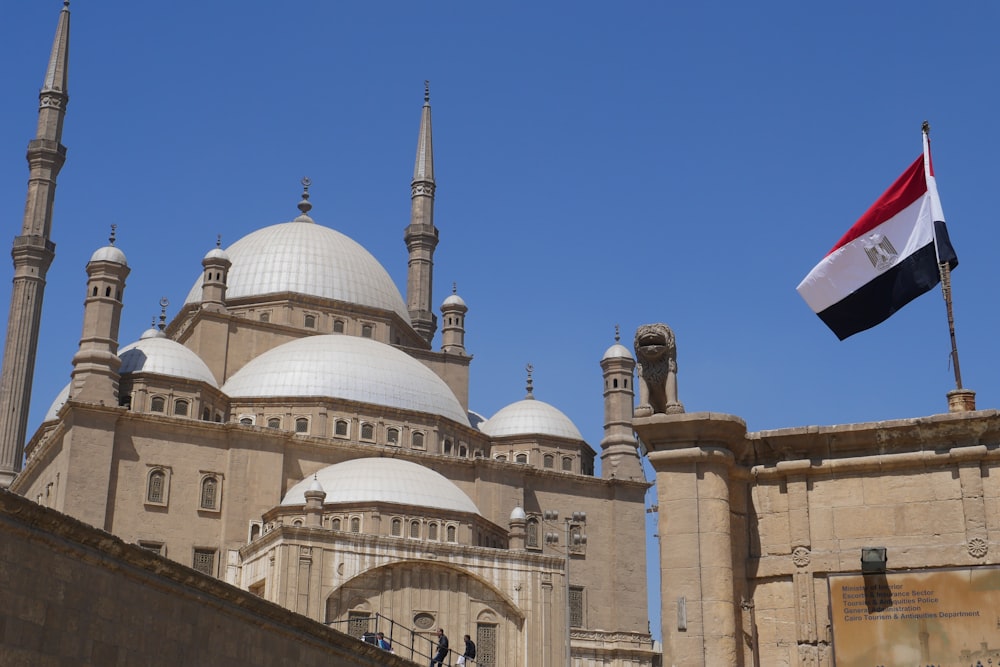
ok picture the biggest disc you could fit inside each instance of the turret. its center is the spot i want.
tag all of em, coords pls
(619, 448)
(213, 284)
(33, 253)
(421, 235)
(96, 363)
(453, 323)
(314, 495)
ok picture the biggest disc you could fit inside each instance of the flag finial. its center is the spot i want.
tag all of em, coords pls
(926, 127)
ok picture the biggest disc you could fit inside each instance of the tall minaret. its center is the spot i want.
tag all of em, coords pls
(422, 236)
(619, 448)
(33, 253)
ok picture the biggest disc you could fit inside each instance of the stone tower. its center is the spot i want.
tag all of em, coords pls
(33, 252)
(421, 235)
(96, 363)
(213, 287)
(453, 312)
(619, 448)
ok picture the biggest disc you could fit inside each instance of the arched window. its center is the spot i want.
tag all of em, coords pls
(567, 463)
(107, 291)
(95, 291)
(549, 461)
(397, 527)
(531, 533)
(415, 529)
(340, 428)
(367, 432)
(521, 457)
(302, 425)
(432, 531)
(355, 524)
(209, 493)
(156, 487)
(254, 531)
(335, 524)
(392, 436)
(274, 422)
(463, 451)
(501, 457)
(447, 447)
(310, 321)
(417, 439)
(614, 383)
(297, 523)
(246, 421)
(338, 326)
(206, 415)
(366, 330)
(181, 408)
(158, 404)
(452, 533)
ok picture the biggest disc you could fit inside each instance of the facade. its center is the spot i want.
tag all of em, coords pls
(300, 430)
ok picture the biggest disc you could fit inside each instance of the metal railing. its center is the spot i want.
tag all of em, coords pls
(404, 641)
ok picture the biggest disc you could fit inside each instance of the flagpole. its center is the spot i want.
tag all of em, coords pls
(960, 399)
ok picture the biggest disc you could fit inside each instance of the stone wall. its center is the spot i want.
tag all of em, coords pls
(74, 595)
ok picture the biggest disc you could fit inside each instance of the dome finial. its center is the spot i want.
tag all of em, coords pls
(304, 205)
(164, 302)
(530, 387)
(111, 239)
(218, 240)
(454, 288)
(618, 334)
(427, 91)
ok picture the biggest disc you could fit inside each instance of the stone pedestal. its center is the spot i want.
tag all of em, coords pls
(961, 400)
(693, 457)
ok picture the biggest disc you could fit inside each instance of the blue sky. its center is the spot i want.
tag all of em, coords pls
(597, 164)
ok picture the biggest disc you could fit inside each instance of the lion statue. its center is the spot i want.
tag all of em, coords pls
(656, 354)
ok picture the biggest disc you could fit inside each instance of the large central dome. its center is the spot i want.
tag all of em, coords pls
(306, 258)
(347, 367)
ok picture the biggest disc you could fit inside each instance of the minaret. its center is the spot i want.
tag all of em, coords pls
(96, 363)
(422, 236)
(619, 448)
(453, 312)
(33, 253)
(213, 285)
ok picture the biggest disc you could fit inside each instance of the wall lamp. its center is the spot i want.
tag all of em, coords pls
(873, 559)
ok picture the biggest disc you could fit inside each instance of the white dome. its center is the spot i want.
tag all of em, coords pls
(109, 253)
(217, 253)
(384, 480)
(160, 355)
(347, 367)
(517, 514)
(58, 403)
(617, 351)
(306, 258)
(530, 417)
(453, 300)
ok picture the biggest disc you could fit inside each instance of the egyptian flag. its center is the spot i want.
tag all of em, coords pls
(888, 258)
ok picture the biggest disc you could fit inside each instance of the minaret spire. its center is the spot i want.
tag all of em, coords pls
(421, 235)
(33, 253)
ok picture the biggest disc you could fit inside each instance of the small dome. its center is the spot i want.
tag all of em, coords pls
(109, 253)
(217, 253)
(162, 356)
(309, 259)
(346, 367)
(315, 485)
(386, 480)
(517, 514)
(453, 300)
(58, 403)
(530, 417)
(617, 351)
(152, 332)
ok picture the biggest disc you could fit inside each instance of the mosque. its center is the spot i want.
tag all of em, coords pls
(302, 430)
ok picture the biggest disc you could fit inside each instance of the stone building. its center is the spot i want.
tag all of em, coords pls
(299, 429)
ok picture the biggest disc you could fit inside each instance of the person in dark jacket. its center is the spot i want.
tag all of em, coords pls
(442, 649)
(469, 653)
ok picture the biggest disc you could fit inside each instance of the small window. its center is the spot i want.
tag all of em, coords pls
(181, 408)
(614, 383)
(156, 487)
(567, 464)
(210, 493)
(218, 417)
(415, 529)
(576, 606)
(367, 432)
(432, 531)
(478, 454)
(302, 425)
(521, 458)
(274, 422)
(397, 527)
(549, 461)
(107, 291)
(204, 561)
(254, 531)
(265, 317)
(338, 326)
(158, 404)
(447, 447)
(417, 439)
(310, 321)
(531, 533)
(206, 415)
(297, 523)
(501, 457)
(366, 330)
(154, 547)
(335, 524)
(452, 533)
(94, 293)
(463, 451)
(340, 428)
(355, 524)
(392, 436)
(246, 420)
